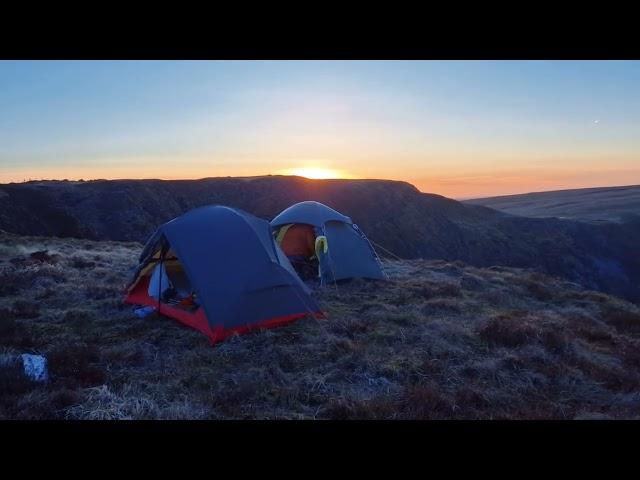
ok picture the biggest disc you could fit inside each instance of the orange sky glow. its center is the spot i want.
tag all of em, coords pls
(462, 129)
(454, 183)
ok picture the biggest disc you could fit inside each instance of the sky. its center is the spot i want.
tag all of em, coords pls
(463, 129)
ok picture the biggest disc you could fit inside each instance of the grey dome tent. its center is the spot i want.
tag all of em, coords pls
(349, 253)
(226, 263)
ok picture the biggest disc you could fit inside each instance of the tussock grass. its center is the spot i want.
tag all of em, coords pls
(438, 340)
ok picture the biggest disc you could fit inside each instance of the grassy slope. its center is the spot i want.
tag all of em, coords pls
(591, 204)
(439, 340)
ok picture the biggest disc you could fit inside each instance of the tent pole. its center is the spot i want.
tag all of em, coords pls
(160, 279)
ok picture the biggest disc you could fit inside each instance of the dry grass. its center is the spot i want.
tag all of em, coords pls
(439, 340)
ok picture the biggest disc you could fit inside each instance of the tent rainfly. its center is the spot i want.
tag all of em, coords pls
(345, 252)
(220, 271)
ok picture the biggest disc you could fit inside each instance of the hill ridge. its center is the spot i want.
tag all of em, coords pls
(594, 204)
(394, 214)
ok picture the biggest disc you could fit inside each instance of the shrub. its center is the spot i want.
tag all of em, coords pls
(64, 398)
(12, 280)
(77, 315)
(515, 329)
(13, 381)
(591, 329)
(350, 327)
(623, 319)
(12, 333)
(470, 281)
(350, 409)
(100, 292)
(629, 352)
(79, 262)
(441, 305)
(129, 353)
(555, 340)
(76, 363)
(443, 289)
(25, 309)
(537, 285)
(609, 374)
(339, 346)
(509, 329)
(8, 324)
(44, 257)
(46, 293)
(425, 402)
(470, 400)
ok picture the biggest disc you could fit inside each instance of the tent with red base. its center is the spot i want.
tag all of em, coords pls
(219, 270)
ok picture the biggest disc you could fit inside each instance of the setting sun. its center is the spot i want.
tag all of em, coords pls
(315, 173)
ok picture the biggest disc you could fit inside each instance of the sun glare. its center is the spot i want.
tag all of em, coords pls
(315, 173)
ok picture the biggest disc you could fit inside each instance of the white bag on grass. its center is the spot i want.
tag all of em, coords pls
(35, 367)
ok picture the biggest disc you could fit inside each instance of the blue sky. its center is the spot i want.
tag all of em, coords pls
(459, 128)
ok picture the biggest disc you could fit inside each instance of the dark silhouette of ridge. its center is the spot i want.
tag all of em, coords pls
(394, 214)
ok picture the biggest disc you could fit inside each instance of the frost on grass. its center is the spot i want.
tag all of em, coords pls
(438, 340)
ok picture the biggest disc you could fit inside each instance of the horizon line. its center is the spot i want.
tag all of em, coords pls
(82, 180)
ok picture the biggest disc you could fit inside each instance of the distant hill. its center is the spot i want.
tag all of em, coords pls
(394, 214)
(588, 204)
